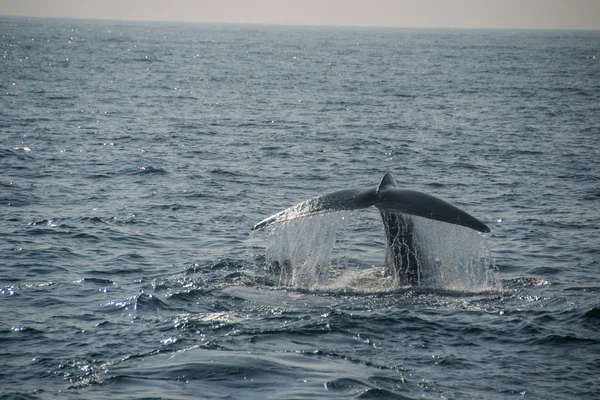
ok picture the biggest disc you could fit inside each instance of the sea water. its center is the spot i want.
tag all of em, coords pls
(136, 157)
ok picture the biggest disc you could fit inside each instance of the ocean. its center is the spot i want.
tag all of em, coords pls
(135, 158)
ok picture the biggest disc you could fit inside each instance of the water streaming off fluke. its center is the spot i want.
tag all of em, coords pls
(341, 251)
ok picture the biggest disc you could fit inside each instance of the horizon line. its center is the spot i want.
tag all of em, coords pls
(297, 25)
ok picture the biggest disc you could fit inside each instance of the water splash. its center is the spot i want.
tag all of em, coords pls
(300, 250)
(453, 257)
(343, 251)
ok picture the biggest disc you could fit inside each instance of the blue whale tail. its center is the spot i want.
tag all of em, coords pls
(386, 197)
(396, 206)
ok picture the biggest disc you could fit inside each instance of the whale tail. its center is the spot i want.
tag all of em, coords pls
(386, 197)
(403, 253)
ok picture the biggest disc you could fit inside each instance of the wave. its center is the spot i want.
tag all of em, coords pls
(148, 169)
(560, 340)
(592, 314)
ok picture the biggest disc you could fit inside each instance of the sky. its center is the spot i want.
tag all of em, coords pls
(523, 14)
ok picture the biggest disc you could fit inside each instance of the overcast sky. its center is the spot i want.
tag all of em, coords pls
(535, 14)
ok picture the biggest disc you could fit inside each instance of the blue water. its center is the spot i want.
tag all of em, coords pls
(136, 157)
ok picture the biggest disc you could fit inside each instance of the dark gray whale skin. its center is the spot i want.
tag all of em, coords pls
(396, 206)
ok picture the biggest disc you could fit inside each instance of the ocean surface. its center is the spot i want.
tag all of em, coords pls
(136, 157)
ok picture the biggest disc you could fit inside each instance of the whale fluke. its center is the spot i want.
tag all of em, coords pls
(396, 206)
(391, 198)
(386, 197)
